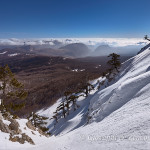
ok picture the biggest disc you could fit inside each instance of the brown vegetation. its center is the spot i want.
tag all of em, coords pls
(47, 78)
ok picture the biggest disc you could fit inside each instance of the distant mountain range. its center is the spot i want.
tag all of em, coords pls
(73, 50)
(105, 50)
(76, 50)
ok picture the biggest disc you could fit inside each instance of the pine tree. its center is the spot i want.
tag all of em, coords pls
(37, 120)
(102, 82)
(67, 101)
(104, 74)
(10, 88)
(146, 38)
(73, 99)
(86, 88)
(67, 105)
(67, 93)
(62, 107)
(109, 75)
(114, 62)
(99, 85)
(55, 116)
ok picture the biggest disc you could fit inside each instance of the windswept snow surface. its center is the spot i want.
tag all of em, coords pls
(133, 78)
(119, 115)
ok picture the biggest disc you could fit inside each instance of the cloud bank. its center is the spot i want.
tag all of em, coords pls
(116, 42)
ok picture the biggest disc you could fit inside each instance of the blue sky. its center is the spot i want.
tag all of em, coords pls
(74, 18)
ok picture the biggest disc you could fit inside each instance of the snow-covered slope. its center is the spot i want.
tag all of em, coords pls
(132, 80)
(75, 119)
(119, 115)
(6, 144)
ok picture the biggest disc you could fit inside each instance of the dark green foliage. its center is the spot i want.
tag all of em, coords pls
(104, 74)
(14, 107)
(10, 88)
(15, 117)
(67, 105)
(114, 62)
(37, 120)
(67, 94)
(62, 107)
(99, 84)
(67, 100)
(55, 116)
(102, 83)
(86, 88)
(4, 111)
(73, 99)
(44, 129)
(70, 100)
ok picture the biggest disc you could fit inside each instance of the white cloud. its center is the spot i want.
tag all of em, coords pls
(89, 41)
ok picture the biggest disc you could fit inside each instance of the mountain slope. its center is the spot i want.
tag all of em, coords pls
(134, 76)
(119, 114)
(76, 50)
(105, 50)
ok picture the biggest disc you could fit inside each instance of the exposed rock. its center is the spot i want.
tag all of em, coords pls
(1, 117)
(13, 129)
(27, 138)
(14, 126)
(22, 139)
(43, 133)
(4, 127)
(33, 133)
(6, 115)
(30, 126)
(14, 139)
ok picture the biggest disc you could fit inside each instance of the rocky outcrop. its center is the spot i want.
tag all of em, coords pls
(30, 126)
(16, 134)
(43, 133)
(14, 126)
(27, 138)
(4, 127)
(24, 138)
(1, 117)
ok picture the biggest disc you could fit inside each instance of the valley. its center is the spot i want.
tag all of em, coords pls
(46, 78)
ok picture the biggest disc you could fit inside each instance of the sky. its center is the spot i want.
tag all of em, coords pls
(74, 18)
